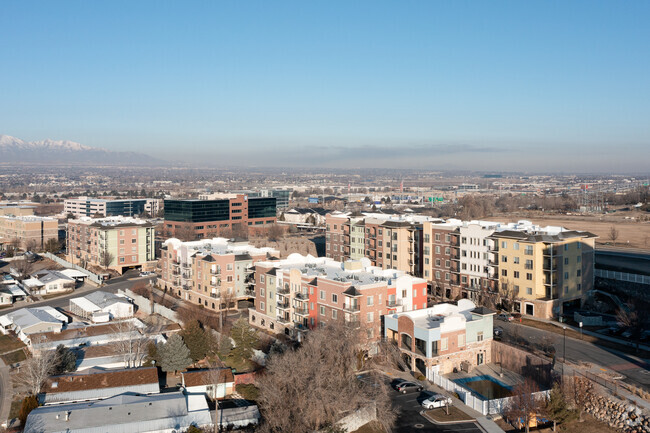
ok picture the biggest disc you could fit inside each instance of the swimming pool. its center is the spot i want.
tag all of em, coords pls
(487, 387)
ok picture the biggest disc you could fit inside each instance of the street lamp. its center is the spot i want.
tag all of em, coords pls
(581, 330)
(564, 353)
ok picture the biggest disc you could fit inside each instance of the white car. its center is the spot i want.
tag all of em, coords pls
(146, 274)
(436, 400)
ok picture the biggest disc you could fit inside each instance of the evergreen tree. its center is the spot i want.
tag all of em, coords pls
(66, 360)
(174, 355)
(245, 339)
(29, 404)
(196, 340)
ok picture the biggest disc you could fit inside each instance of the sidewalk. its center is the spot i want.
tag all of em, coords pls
(6, 393)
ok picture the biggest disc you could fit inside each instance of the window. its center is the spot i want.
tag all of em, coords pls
(121, 241)
(566, 247)
(447, 263)
(447, 277)
(443, 343)
(437, 263)
(121, 232)
(322, 310)
(504, 244)
(447, 251)
(437, 236)
(515, 246)
(566, 289)
(261, 278)
(321, 294)
(578, 245)
(121, 259)
(504, 272)
(370, 301)
(229, 267)
(566, 260)
(424, 291)
(516, 274)
(566, 275)
(262, 305)
(579, 285)
(504, 259)
(578, 273)
(479, 336)
(529, 290)
(529, 276)
(335, 298)
(134, 258)
(370, 317)
(461, 340)
(334, 314)
(262, 291)
(437, 275)
(427, 239)
(515, 260)
(579, 258)
(463, 240)
(426, 260)
(311, 306)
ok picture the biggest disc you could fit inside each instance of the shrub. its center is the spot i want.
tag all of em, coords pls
(248, 391)
(29, 404)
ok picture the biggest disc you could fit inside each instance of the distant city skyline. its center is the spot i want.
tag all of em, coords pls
(492, 86)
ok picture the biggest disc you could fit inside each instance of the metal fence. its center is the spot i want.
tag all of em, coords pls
(91, 276)
(623, 276)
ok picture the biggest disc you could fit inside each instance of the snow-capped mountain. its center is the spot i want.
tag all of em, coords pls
(15, 150)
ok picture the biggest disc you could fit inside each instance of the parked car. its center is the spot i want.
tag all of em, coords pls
(436, 400)
(146, 274)
(498, 332)
(506, 317)
(405, 387)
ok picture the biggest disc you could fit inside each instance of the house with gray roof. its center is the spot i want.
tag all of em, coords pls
(53, 282)
(123, 413)
(101, 306)
(29, 321)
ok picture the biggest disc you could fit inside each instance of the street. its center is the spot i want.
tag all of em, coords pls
(634, 369)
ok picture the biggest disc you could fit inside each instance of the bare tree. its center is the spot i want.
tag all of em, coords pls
(508, 294)
(34, 372)
(185, 233)
(524, 405)
(320, 393)
(227, 298)
(52, 246)
(613, 234)
(635, 319)
(31, 245)
(24, 267)
(577, 390)
(275, 232)
(131, 344)
(105, 259)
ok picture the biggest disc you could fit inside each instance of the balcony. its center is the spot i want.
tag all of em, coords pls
(215, 295)
(393, 303)
(493, 263)
(215, 271)
(283, 320)
(352, 308)
(551, 252)
(528, 266)
(301, 311)
(283, 290)
(353, 323)
(283, 305)
(301, 296)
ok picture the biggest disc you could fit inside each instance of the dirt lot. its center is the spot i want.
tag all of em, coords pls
(635, 231)
(589, 425)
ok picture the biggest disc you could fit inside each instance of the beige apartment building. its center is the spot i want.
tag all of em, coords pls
(28, 231)
(214, 273)
(119, 243)
(545, 271)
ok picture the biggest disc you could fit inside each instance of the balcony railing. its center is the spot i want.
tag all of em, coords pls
(528, 266)
(283, 290)
(283, 305)
(301, 296)
(301, 311)
(353, 308)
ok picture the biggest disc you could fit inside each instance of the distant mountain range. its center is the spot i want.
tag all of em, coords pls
(60, 152)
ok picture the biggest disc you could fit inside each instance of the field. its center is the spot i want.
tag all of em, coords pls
(631, 233)
(589, 425)
(9, 343)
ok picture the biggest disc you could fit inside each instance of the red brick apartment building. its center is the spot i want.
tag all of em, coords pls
(301, 293)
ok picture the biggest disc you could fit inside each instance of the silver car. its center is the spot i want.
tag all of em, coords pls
(436, 400)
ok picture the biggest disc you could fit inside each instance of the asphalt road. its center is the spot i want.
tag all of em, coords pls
(123, 282)
(635, 370)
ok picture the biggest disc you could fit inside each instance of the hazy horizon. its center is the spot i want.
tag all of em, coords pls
(504, 86)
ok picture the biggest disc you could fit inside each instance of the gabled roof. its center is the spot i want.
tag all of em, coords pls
(208, 258)
(105, 299)
(352, 291)
(51, 276)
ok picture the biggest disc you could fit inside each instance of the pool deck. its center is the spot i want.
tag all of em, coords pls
(508, 377)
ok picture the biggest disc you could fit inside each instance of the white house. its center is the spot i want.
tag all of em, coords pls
(101, 306)
(10, 293)
(29, 321)
(301, 215)
(53, 282)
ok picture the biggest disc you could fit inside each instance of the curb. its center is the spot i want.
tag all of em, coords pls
(424, 414)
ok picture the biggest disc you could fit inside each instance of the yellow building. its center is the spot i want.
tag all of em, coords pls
(543, 272)
(28, 232)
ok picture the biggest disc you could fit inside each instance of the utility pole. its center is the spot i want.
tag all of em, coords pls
(564, 353)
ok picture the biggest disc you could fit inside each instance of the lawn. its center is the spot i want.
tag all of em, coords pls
(13, 357)
(16, 404)
(440, 414)
(9, 343)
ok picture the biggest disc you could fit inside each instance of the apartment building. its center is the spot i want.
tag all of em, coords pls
(210, 272)
(282, 196)
(208, 218)
(443, 338)
(90, 207)
(388, 241)
(543, 270)
(28, 231)
(303, 292)
(118, 243)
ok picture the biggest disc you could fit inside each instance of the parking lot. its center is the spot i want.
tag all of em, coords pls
(409, 418)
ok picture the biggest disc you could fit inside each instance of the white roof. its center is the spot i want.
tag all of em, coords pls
(33, 282)
(85, 304)
(73, 273)
(13, 290)
(5, 321)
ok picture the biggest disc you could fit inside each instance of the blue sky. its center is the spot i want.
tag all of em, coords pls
(494, 85)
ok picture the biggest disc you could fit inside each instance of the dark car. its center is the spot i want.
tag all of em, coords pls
(405, 387)
(498, 331)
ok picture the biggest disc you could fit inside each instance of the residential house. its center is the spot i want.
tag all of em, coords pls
(101, 306)
(52, 282)
(27, 323)
(214, 384)
(126, 412)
